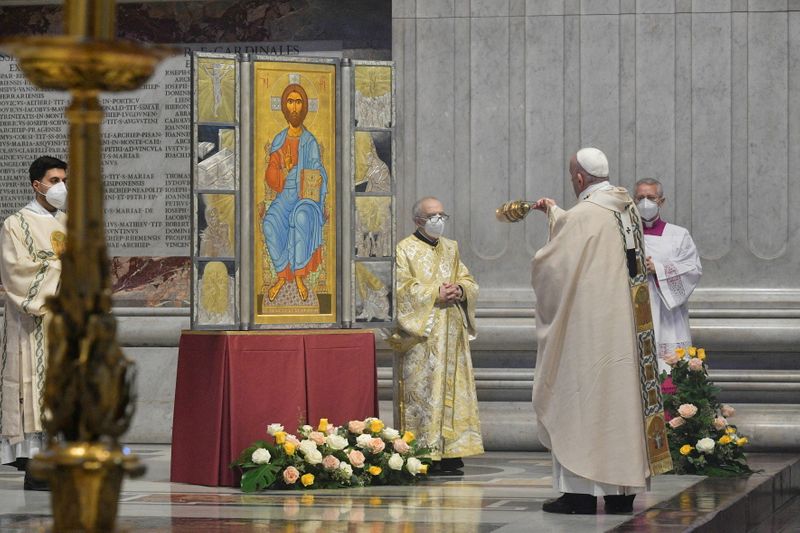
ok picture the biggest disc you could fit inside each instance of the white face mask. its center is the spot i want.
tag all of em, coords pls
(648, 209)
(434, 227)
(56, 195)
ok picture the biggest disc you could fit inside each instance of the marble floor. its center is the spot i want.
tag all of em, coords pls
(499, 492)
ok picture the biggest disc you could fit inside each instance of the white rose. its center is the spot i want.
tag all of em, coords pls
(705, 445)
(307, 446)
(261, 456)
(336, 442)
(390, 434)
(346, 469)
(274, 428)
(362, 441)
(313, 457)
(396, 462)
(305, 430)
(413, 465)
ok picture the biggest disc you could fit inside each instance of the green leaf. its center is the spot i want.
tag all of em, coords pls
(258, 478)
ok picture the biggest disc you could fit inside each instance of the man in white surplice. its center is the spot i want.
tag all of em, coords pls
(31, 243)
(674, 270)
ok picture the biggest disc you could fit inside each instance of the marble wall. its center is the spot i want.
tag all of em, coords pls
(494, 97)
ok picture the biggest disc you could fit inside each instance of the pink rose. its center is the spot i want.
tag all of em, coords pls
(294, 440)
(727, 411)
(376, 445)
(331, 430)
(400, 446)
(290, 475)
(668, 387)
(687, 410)
(720, 423)
(676, 422)
(695, 364)
(356, 426)
(671, 359)
(356, 458)
(317, 437)
(330, 462)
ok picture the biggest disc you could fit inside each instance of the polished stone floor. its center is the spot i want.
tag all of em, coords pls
(499, 492)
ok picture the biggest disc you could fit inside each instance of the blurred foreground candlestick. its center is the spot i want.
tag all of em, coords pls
(513, 211)
(88, 396)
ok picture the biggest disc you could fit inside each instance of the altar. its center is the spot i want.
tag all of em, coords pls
(232, 384)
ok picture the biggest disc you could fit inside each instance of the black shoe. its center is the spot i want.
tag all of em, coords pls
(619, 504)
(32, 483)
(20, 463)
(451, 464)
(571, 503)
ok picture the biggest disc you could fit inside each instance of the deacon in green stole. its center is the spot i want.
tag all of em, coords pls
(434, 383)
(595, 391)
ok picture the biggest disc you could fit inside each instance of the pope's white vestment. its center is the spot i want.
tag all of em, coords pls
(587, 390)
(31, 241)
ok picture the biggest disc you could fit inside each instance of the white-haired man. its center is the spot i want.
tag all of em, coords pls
(595, 390)
(674, 269)
(434, 384)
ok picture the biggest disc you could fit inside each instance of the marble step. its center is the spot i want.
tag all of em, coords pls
(737, 386)
(766, 501)
(512, 426)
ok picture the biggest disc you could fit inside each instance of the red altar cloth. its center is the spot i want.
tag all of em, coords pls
(232, 384)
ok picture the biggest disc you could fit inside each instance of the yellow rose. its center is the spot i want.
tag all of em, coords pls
(701, 354)
(408, 437)
(289, 448)
(741, 441)
(323, 425)
(730, 430)
(692, 351)
(423, 469)
(375, 470)
(307, 479)
(686, 449)
(725, 439)
(280, 437)
(375, 425)
(680, 352)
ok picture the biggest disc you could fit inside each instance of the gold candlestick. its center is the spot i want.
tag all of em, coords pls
(513, 211)
(88, 396)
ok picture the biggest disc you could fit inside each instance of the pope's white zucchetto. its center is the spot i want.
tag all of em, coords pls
(593, 161)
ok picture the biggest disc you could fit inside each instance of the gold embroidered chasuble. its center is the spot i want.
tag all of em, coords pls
(30, 246)
(434, 381)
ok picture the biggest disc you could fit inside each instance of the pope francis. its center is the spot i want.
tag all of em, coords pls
(595, 390)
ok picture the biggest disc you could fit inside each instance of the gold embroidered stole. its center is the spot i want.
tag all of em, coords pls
(655, 428)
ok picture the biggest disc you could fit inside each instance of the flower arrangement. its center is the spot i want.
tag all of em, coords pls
(365, 452)
(701, 439)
